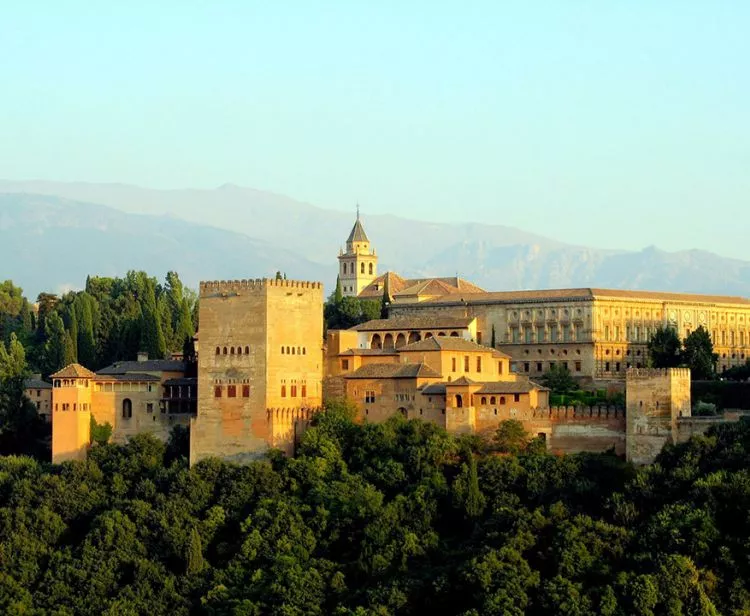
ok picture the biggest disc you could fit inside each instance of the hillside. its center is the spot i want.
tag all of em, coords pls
(303, 240)
(49, 243)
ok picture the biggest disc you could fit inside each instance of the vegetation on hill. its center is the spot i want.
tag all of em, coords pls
(112, 319)
(378, 519)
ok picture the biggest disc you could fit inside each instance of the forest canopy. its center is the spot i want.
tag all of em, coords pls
(379, 519)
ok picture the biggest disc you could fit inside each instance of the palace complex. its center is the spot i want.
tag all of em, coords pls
(450, 352)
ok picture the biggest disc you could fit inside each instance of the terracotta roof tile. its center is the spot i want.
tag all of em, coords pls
(74, 371)
(150, 365)
(393, 371)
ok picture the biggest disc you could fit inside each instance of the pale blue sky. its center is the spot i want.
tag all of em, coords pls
(571, 118)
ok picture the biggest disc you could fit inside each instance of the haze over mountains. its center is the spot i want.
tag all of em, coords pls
(54, 234)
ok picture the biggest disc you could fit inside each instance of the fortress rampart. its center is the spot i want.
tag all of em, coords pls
(237, 287)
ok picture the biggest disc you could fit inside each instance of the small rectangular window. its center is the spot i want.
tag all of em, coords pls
(453, 364)
(217, 391)
(479, 364)
(149, 407)
(232, 391)
(466, 363)
(345, 364)
(246, 391)
(516, 397)
(578, 366)
(526, 366)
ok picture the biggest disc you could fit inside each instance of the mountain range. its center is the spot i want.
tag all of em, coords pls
(52, 235)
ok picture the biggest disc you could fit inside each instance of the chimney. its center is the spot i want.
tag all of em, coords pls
(142, 356)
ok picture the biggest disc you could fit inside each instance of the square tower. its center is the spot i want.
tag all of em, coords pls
(656, 399)
(71, 413)
(260, 367)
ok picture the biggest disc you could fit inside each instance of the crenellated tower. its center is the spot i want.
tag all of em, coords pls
(358, 264)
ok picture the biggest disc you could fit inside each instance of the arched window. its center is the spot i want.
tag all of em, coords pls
(362, 268)
(292, 350)
(502, 399)
(484, 401)
(304, 351)
(376, 343)
(127, 408)
(400, 341)
(282, 350)
(231, 351)
(218, 350)
(459, 401)
(247, 350)
(371, 269)
(492, 400)
(225, 350)
(283, 391)
(351, 268)
(288, 352)
(388, 341)
(239, 350)
(304, 390)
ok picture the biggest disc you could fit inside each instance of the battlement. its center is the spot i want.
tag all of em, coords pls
(579, 412)
(651, 373)
(238, 287)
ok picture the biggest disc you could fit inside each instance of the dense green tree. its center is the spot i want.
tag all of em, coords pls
(664, 348)
(559, 379)
(338, 294)
(511, 437)
(54, 354)
(699, 354)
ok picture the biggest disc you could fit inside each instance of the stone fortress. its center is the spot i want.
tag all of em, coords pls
(450, 352)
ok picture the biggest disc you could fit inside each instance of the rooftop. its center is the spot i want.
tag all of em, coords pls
(132, 377)
(74, 371)
(449, 343)
(413, 287)
(581, 294)
(496, 387)
(149, 365)
(34, 383)
(358, 232)
(378, 352)
(393, 371)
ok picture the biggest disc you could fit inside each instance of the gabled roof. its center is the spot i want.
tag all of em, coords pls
(415, 323)
(74, 371)
(358, 233)
(448, 343)
(393, 371)
(34, 383)
(463, 380)
(150, 365)
(399, 287)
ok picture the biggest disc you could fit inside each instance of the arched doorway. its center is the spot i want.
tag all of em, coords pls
(127, 408)
(388, 341)
(376, 343)
(459, 401)
(400, 341)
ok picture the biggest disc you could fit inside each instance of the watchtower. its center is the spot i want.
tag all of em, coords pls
(71, 413)
(656, 399)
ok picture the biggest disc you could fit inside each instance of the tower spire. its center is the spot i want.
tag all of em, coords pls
(357, 210)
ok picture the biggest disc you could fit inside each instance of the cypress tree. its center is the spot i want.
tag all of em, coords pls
(339, 294)
(69, 351)
(493, 341)
(86, 344)
(194, 556)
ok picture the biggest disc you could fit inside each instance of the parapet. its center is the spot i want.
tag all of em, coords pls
(602, 412)
(651, 373)
(239, 287)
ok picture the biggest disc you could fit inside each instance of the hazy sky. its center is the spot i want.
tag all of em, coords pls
(617, 123)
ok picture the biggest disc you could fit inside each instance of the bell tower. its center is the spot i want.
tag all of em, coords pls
(358, 264)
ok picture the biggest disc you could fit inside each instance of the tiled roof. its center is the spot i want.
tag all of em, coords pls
(446, 343)
(132, 377)
(414, 323)
(463, 380)
(434, 389)
(581, 294)
(358, 233)
(393, 371)
(369, 352)
(74, 371)
(150, 365)
(36, 384)
(511, 387)
(410, 287)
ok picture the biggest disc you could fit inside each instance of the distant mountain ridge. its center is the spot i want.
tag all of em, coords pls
(232, 232)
